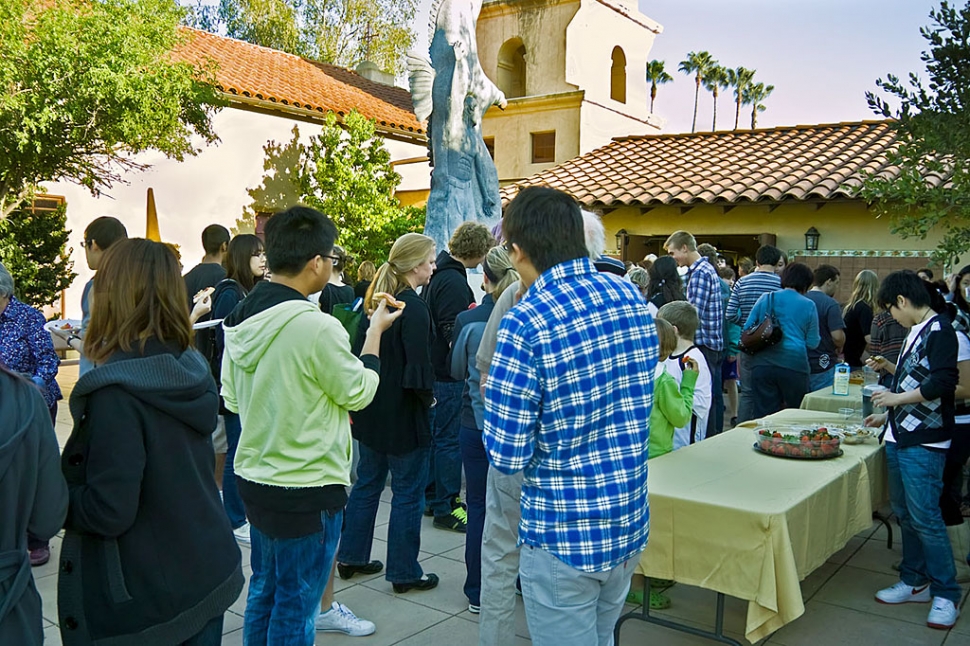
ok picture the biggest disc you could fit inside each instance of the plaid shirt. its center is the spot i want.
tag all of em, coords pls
(704, 293)
(568, 400)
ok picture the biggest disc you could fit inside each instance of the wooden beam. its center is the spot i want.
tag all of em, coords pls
(772, 207)
(646, 209)
(727, 209)
(685, 209)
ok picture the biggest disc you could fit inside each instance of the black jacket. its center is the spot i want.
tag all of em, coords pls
(33, 498)
(148, 556)
(447, 295)
(397, 421)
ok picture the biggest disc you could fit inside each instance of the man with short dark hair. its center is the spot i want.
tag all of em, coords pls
(745, 294)
(831, 328)
(208, 273)
(568, 390)
(289, 373)
(448, 295)
(704, 293)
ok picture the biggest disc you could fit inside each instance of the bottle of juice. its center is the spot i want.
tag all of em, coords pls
(840, 386)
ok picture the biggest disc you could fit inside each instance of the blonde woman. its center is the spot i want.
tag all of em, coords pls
(858, 314)
(394, 431)
(365, 276)
(469, 327)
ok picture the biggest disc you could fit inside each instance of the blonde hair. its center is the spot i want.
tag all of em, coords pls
(667, 336)
(864, 289)
(680, 239)
(407, 252)
(639, 277)
(499, 264)
(366, 271)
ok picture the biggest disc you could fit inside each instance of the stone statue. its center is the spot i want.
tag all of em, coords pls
(452, 92)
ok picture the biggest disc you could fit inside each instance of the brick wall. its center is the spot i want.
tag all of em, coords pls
(849, 266)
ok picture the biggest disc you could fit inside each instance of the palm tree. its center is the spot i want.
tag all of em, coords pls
(657, 75)
(716, 79)
(697, 63)
(756, 93)
(739, 79)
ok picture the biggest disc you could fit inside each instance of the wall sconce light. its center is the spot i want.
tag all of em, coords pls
(621, 240)
(811, 239)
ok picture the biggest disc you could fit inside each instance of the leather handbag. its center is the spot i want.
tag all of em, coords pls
(763, 335)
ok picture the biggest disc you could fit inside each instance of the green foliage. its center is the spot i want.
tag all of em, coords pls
(753, 95)
(931, 190)
(739, 79)
(33, 248)
(698, 64)
(715, 81)
(657, 75)
(85, 85)
(342, 32)
(346, 173)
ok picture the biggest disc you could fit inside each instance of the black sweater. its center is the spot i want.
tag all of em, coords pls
(148, 556)
(447, 295)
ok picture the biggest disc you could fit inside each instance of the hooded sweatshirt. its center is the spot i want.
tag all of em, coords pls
(447, 295)
(290, 375)
(148, 554)
(33, 498)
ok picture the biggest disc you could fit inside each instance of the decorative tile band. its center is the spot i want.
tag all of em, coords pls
(861, 253)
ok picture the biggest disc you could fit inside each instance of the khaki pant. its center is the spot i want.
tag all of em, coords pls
(500, 558)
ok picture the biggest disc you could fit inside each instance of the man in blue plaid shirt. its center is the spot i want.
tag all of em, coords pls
(568, 400)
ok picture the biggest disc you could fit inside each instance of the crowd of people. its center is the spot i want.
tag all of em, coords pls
(272, 398)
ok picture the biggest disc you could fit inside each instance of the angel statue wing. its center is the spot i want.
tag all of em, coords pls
(420, 78)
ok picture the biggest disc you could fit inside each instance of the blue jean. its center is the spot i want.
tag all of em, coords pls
(289, 576)
(915, 484)
(775, 389)
(446, 464)
(475, 461)
(409, 472)
(235, 509)
(820, 380)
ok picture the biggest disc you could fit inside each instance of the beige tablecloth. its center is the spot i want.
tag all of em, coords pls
(727, 518)
(824, 400)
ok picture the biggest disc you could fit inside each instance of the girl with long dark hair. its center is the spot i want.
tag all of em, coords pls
(665, 283)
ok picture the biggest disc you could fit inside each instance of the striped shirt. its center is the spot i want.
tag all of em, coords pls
(568, 399)
(746, 293)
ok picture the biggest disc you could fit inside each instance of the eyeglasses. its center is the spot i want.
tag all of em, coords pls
(85, 244)
(334, 259)
(507, 245)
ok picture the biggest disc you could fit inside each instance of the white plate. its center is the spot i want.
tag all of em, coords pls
(207, 324)
(74, 323)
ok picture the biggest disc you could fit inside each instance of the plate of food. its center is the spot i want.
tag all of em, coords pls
(207, 324)
(63, 324)
(859, 434)
(799, 443)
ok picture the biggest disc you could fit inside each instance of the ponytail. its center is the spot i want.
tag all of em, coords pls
(407, 252)
(498, 267)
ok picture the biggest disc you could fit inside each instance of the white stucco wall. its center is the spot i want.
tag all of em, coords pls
(209, 188)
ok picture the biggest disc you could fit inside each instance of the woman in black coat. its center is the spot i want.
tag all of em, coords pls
(394, 432)
(148, 556)
(33, 498)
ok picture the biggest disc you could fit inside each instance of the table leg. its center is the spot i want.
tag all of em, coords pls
(889, 528)
(644, 615)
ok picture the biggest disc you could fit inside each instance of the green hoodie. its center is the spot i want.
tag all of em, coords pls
(289, 373)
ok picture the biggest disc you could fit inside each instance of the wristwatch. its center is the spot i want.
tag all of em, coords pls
(73, 337)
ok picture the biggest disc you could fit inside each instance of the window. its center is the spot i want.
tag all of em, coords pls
(490, 146)
(618, 76)
(511, 68)
(543, 147)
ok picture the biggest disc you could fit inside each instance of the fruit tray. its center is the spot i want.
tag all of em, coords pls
(798, 443)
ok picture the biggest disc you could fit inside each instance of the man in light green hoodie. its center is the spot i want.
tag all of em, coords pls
(289, 373)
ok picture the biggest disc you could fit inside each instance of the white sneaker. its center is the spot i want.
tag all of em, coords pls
(902, 593)
(340, 619)
(943, 614)
(242, 533)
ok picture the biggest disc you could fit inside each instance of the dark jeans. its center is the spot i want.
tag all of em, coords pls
(210, 635)
(230, 493)
(745, 396)
(409, 472)
(715, 421)
(475, 461)
(289, 576)
(956, 458)
(446, 463)
(775, 389)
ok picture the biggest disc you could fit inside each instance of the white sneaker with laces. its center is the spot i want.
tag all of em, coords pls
(903, 593)
(340, 619)
(943, 614)
(242, 533)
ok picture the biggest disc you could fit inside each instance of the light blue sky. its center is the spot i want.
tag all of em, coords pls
(821, 55)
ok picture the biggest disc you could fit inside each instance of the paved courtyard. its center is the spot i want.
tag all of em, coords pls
(838, 597)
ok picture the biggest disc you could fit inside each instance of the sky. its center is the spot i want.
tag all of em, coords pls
(821, 55)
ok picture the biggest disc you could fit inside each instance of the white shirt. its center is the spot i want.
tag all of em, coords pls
(702, 396)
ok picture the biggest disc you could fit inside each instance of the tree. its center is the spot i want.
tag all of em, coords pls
(33, 247)
(717, 79)
(657, 75)
(754, 95)
(739, 78)
(341, 32)
(87, 84)
(930, 188)
(697, 63)
(345, 173)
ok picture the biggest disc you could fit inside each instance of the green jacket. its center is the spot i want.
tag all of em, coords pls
(289, 374)
(672, 406)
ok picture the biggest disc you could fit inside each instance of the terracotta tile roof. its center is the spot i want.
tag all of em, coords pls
(771, 165)
(255, 72)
